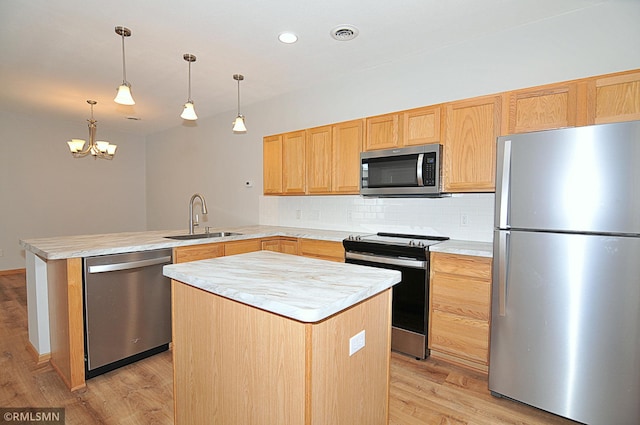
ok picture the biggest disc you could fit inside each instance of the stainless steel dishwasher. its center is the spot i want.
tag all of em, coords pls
(127, 309)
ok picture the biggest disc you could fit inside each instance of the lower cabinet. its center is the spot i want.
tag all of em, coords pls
(326, 250)
(460, 309)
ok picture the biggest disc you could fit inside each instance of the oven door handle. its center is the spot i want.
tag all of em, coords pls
(394, 261)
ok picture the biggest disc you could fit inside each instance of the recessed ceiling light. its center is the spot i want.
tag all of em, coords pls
(288, 37)
(344, 32)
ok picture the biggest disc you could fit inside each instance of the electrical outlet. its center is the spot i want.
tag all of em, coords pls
(464, 220)
(298, 214)
(356, 342)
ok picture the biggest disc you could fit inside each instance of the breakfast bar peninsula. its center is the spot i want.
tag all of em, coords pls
(269, 338)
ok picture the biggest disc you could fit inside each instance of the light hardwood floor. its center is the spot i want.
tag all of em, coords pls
(422, 392)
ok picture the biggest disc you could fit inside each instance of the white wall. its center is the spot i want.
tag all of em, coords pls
(45, 192)
(210, 159)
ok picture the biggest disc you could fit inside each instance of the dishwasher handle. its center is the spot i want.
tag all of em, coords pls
(129, 265)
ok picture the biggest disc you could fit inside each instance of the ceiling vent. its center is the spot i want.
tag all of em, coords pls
(344, 32)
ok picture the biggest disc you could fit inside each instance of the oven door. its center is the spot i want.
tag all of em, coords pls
(410, 302)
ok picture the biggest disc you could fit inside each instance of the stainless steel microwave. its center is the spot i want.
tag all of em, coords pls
(403, 172)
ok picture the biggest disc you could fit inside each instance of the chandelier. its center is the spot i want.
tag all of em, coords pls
(99, 149)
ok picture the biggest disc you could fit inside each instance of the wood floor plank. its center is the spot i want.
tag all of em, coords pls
(430, 392)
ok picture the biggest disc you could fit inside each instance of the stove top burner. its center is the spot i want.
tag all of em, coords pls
(392, 244)
(399, 239)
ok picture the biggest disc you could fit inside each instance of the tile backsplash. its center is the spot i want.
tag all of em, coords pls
(460, 216)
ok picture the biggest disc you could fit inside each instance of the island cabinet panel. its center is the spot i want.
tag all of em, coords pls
(459, 310)
(66, 325)
(184, 254)
(325, 250)
(240, 247)
(471, 130)
(543, 108)
(236, 364)
(616, 98)
(272, 164)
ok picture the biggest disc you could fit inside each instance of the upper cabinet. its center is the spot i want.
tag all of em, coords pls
(272, 164)
(320, 160)
(470, 132)
(347, 145)
(383, 132)
(615, 98)
(421, 126)
(543, 108)
(326, 160)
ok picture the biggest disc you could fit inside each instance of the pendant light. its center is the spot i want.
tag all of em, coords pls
(99, 149)
(124, 90)
(238, 123)
(189, 113)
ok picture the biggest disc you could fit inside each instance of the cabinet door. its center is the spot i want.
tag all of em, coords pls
(471, 130)
(319, 158)
(421, 126)
(617, 98)
(326, 250)
(347, 145)
(272, 164)
(293, 163)
(544, 108)
(183, 254)
(240, 247)
(383, 132)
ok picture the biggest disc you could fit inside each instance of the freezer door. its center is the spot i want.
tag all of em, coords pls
(565, 330)
(584, 179)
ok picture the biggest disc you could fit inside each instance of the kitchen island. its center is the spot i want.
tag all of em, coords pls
(270, 338)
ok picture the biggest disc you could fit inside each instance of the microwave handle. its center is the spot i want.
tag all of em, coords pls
(419, 169)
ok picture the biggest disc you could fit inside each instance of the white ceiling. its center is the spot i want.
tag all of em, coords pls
(56, 54)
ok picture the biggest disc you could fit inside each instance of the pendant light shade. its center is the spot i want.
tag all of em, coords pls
(189, 112)
(123, 97)
(98, 149)
(238, 123)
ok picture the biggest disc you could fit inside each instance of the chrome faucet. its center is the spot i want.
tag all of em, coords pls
(195, 223)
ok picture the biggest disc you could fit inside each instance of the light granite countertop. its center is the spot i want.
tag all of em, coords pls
(57, 248)
(304, 289)
(477, 249)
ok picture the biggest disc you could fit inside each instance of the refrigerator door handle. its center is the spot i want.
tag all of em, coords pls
(503, 220)
(503, 253)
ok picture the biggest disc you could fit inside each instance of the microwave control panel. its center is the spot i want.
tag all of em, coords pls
(429, 169)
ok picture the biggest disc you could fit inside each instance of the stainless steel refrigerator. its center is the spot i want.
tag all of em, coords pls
(565, 325)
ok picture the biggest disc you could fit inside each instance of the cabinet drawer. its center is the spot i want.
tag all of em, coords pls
(326, 250)
(183, 254)
(463, 337)
(240, 247)
(465, 265)
(461, 295)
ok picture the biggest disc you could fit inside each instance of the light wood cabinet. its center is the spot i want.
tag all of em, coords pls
(383, 132)
(325, 250)
(240, 247)
(347, 145)
(293, 163)
(421, 126)
(281, 244)
(615, 98)
(471, 129)
(183, 254)
(460, 309)
(272, 165)
(319, 158)
(543, 108)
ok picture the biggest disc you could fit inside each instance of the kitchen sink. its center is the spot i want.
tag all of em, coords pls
(204, 235)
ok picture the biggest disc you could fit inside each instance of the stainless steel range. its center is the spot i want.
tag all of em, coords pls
(410, 255)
